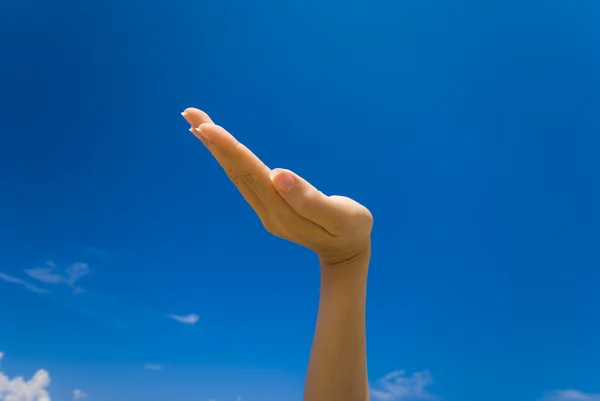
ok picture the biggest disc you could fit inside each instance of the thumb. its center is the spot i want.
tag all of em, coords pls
(306, 200)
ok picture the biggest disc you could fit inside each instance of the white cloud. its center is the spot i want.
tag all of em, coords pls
(151, 366)
(78, 394)
(18, 281)
(46, 274)
(76, 271)
(18, 389)
(1, 355)
(52, 274)
(190, 319)
(571, 395)
(396, 386)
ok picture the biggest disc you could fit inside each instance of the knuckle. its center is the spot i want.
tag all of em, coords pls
(363, 219)
(238, 177)
(357, 217)
(234, 176)
(250, 178)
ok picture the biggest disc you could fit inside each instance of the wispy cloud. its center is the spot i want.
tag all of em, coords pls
(151, 366)
(96, 305)
(76, 271)
(571, 395)
(45, 275)
(79, 394)
(1, 355)
(18, 389)
(52, 274)
(396, 386)
(18, 281)
(190, 319)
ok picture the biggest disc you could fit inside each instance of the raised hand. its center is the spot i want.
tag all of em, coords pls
(337, 228)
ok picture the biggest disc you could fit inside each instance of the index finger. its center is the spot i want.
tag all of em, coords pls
(241, 164)
(237, 159)
(197, 117)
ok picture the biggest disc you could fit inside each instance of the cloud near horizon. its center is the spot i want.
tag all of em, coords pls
(190, 319)
(79, 394)
(18, 389)
(571, 395)
(396, 386)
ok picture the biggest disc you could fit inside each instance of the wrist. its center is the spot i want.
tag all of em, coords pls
(346, 276)
(358, 254)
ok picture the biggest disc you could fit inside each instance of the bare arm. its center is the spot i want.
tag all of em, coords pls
(338, 365)
(337, 228)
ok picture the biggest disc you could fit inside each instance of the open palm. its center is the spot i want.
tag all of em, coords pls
(337, 228)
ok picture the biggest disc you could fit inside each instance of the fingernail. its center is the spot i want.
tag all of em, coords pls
(283, 181)
(202, 134)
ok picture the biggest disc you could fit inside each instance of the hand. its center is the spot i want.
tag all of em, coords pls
(337, 228)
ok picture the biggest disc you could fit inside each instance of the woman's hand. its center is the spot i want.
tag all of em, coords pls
(337, 228)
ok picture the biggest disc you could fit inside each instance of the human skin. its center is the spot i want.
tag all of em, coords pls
(337, 229)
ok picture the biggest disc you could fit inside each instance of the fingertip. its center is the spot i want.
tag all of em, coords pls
(186, 115)
(192, 111)
(195, 116)
(282, 179)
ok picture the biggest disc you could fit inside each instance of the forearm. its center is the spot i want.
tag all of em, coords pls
(337, 368)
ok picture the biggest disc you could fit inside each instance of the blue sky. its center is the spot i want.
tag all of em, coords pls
(131, 269)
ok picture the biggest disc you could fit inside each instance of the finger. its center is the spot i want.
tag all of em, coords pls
(234, 157)
(308, 201)
(196, 118)
(238, 161)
